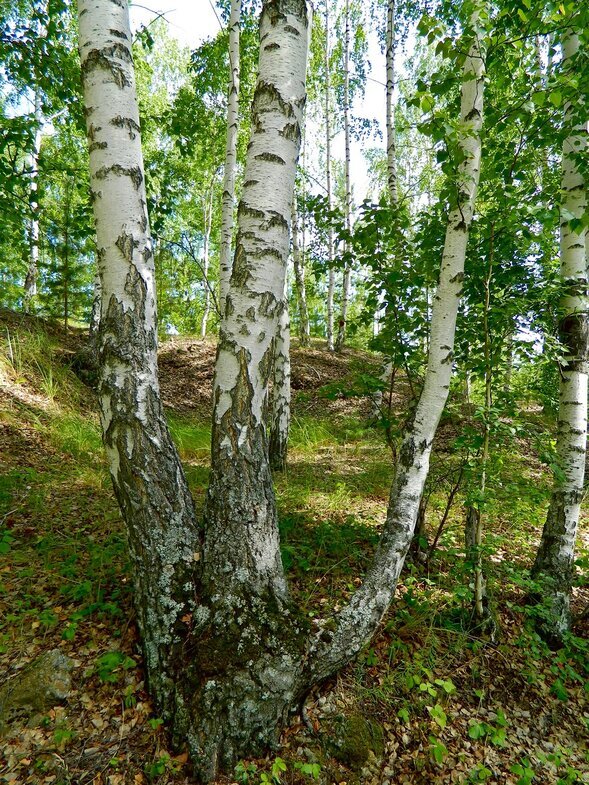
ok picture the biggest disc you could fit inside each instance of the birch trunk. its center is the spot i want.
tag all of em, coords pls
(30, 288)
(95, 312)
(298, 262)
(247, 645)
(390, 106)
(208, 221)
(329, 189)
(230, 154)
(474, 518)
(343, 319)
(279, 427)
(554, 562)
(147, 476)
(360, 618)
(387, 366)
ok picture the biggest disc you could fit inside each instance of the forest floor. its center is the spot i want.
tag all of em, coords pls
(430, 701)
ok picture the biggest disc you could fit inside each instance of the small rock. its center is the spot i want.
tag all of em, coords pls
(39, 686)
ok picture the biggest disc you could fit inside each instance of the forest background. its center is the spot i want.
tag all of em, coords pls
(362, 289)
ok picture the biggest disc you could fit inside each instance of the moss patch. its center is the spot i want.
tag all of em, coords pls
(354, 738)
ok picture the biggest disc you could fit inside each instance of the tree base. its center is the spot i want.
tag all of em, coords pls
(239, 679)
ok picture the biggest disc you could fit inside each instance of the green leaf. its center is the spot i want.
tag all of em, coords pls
(539, 99)
(438, 715)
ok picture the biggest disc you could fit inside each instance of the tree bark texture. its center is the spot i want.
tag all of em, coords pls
(148, 479)
(390, 106)
(358, 621)
(280, 419)
(387, 366)
(230, 154)
(554, 562)
(247, 643)
(30, 288)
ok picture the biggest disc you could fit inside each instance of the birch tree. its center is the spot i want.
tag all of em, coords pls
(392, 176)
(206, 254)
(230, 153)
(360, 618)
(554, 563)
(341, 332)
(147, 476)
(30, 289)
(226, 655)
(280, 415)
(298, 263)
(329, 187)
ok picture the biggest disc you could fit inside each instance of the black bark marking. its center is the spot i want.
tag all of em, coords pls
(292, 132)
(276, 219)
(133, 172)
(252, 212)
(240, 272)
(126, 245)
(574, 334)
(128, 123)
(97, 146)
(270, 158)
(102, 59)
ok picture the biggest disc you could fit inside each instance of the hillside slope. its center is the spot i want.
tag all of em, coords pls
(429, 702)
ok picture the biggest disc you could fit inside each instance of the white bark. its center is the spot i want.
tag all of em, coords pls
(242, 547)
(387, 366)
(328, 186)
(96, 304)
(208, 222)
(341, 333)
(390, 106)
(30, 288)
(280, 422)
(230, 154)
(144, 465)
(555, 557)
(358, 621)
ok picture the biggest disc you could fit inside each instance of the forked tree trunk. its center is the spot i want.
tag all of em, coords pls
(554, 562)
(227, 204)
(360, 618)
(148, 479)
(343, 318)
(248, 650)
(280, 417)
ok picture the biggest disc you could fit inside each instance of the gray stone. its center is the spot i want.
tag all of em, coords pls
(39, 686)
